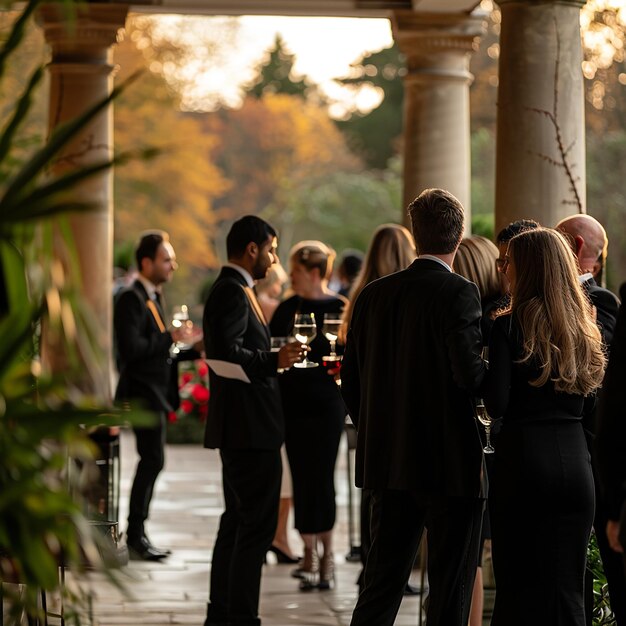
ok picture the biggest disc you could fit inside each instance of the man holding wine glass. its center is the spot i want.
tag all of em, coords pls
(245, 422)
(148, 372)
(412, 362)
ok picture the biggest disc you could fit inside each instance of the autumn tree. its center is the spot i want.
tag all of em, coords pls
(175, 191)
(273, 144)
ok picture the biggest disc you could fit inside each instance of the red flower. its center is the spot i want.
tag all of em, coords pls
(186, 377)
(186, 406)
(203, 412)
(203, 369)
(172, 417)
(200, 394)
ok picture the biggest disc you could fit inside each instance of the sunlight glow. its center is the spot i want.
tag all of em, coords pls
(221, 54)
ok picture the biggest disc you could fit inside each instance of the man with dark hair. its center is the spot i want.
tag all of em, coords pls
(348, 270)
(589, 243)
(245, 422)
(506, 234)
(147, 373)
(412, 362)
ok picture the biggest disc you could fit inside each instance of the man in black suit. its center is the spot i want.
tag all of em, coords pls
(590, 243)
(610, 442)
(411, 365)
(245, 422)
(148, 374)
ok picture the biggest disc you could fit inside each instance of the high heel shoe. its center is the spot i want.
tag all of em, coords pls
(327, 572)
(282, 557)
(309, 578)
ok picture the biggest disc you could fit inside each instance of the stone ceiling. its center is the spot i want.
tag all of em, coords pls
(335, 8)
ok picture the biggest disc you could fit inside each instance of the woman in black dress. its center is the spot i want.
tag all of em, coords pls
(545, 364)
(314, 412)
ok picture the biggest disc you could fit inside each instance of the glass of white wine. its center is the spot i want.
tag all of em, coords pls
(180, 319)
(305, 330)
(330, 329)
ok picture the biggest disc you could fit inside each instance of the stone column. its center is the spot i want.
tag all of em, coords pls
(81, 75)
(540, 154)
(438, 48)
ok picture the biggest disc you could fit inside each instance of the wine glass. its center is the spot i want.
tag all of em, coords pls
(276, 343)
(180, 319)
(485, 419)
(305, 330)
(330, 329)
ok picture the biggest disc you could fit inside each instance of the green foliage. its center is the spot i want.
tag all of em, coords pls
(44, 418)
(375, 135)
(275, 74)
(341, 209)
(483, 224)
(483, 147)
(602, 613)
(606, 197)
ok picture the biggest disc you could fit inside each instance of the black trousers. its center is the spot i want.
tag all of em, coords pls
(398, 519)
(151, 450)
(251, 482)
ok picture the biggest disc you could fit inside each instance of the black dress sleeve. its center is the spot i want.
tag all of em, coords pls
(281, 323)
(497, 385)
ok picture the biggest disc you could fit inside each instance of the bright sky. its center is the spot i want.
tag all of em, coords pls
(324, 49)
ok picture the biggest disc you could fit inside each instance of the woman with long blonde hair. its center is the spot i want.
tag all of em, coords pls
(546, 363)
(391, 249)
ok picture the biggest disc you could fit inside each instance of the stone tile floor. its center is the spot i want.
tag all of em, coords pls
(184, 518)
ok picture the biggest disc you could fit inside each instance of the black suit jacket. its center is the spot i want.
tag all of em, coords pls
(411, 364)
(607, 306)
(147, 372)
(241, 415)
(611, 428)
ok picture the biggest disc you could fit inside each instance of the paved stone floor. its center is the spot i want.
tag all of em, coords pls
(184, 518)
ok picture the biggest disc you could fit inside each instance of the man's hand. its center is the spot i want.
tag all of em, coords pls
(612, 533)
(186, 334)
(291, 353)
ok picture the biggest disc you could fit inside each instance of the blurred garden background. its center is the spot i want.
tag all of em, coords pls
(259, 138)
(244, 129)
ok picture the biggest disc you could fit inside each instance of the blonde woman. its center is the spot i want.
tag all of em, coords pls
(476, 260)
(546, 362)
(314, 413)
(392, 249)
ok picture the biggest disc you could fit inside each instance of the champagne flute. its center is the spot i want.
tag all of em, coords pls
(485, 419)
(305, 330)
(330, 329)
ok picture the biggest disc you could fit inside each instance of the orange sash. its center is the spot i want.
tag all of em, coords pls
(255, 305)
(155, 313)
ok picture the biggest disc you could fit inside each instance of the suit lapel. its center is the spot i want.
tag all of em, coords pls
(153, 308)
(256, 307)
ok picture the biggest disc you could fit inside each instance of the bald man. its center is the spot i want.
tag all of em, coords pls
(589, 243)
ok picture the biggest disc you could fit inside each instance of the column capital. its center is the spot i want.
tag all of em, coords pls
(84, 35)
(438, 44)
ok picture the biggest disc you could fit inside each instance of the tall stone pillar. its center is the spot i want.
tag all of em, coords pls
(438, 48)
(81, 75)
(540, 154)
